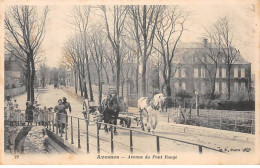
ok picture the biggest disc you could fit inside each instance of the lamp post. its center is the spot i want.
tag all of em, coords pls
(197, 102)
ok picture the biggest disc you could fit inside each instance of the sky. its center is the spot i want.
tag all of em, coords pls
(58, 29)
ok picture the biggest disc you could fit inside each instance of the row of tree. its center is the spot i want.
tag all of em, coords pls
(115, 35)
(123, 34)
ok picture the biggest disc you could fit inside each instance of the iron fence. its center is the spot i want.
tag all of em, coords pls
(73, 129)
(237, 121)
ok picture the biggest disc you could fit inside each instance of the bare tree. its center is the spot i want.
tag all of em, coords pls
(168, 33)
(97, 47)
(224, 29)
(210, 52)
(80, 16)
(114, 34)
(25, 31)
(145, 20)
(74, 57)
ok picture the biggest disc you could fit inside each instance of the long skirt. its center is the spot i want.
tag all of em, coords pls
(60, 119)
(29, 116)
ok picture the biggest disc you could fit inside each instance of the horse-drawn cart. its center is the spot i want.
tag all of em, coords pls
(112, 109)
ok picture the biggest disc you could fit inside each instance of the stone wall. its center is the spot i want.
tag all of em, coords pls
(15, 91)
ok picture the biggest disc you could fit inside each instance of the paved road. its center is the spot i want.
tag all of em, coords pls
(141, 143)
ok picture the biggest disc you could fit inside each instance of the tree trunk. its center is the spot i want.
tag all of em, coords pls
(85, 90)
(32, 79)
(89, 83)
(213, 83)
(168, 88)
(229, 82)
(143, 78)
(118, 68)
(107, 77)
(137, 78)
(76, 84)
(28, 79)
(99, 89)
(80, 85)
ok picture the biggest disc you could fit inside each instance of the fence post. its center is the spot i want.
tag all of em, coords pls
(220, 120)
(131, 141)
(66, 128)
(207, 118)
(112, 139)
(53, 122)
(236, 122)
(252, 124)
(56, 124)
(98, 145)
(87, 138)
(61, 128)
(78, 135)
(200, 149)
(71, 131)
(158, 144)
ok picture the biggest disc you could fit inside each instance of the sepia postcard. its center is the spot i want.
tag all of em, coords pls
(129, 82)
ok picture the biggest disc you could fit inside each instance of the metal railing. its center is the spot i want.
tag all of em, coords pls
(237, 121)
(112, 141)
(58, 126)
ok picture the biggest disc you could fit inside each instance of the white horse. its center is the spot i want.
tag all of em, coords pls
(159, 101)
(148, 116)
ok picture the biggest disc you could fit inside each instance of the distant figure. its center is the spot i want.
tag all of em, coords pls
(36, 113)
(17, 114)
(8, 97)
(15, 102)
(29, 113)
(45, 115)
(22, 121)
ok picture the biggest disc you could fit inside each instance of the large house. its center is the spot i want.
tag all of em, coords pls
(195, 71)
(14, 76)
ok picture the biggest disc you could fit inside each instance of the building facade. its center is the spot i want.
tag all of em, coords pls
(196, 73)
(14, 75)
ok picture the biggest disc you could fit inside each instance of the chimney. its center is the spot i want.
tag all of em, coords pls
(205, 42)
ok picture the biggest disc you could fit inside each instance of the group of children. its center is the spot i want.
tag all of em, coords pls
(13, 113)
(40, 116)
(16, 117)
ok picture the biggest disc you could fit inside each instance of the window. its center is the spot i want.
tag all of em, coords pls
(235, 72)
(183, 75)
(176, 85)
(224, 73)
(224, 87)
(203, 73)
(196, 73)
(235, 86)
(217, 87)
(176, 75)
(242, 72)
(183, 86)
(242, 86)
(217, 74)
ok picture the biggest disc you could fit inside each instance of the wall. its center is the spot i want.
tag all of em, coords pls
(15, 91)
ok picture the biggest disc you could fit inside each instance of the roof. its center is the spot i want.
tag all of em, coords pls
(186, 55)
